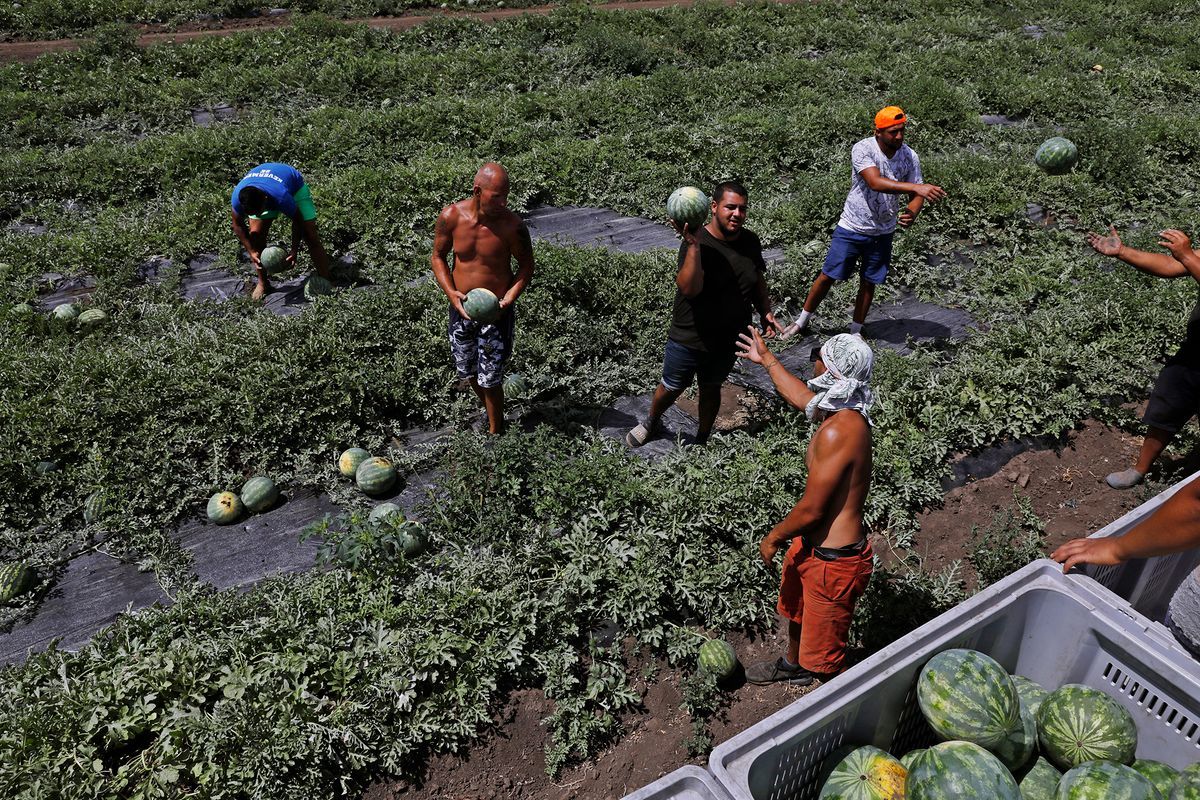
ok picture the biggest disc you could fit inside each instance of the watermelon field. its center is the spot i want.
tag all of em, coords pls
(115, 176)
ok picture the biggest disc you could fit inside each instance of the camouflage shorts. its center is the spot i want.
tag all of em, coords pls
(481, 351)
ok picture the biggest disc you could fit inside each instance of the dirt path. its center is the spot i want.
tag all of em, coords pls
(172, 34)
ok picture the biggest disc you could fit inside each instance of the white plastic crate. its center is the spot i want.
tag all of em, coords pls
(1037, 622)
(685, 783)
(1147, 583)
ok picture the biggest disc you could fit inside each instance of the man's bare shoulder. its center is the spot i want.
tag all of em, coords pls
(845, 430)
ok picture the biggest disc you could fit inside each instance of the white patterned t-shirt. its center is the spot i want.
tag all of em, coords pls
(866, 210)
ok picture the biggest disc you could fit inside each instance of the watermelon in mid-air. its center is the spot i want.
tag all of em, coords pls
(1056, 156)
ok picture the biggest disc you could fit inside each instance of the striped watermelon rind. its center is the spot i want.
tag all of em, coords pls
(482, 306)
(867, 773)
(259, 494)
(1187, 784)
(92, 318)
(93, 506)
(1030, 693)
(1056, 155)
(317, 286)
(1017, 749)
(349, 460)
(966, 695)
(718, 657)
(1040, 782)
(375, 475)
(413, 540)
(16, 578)
(911, 756)
(1161, 775)
(224, 508)
(64, 312)
(272, 259)
(1077, 723)
(386, 511)
(689, 206)
(1106, 780)
(515, 385)
(957, 771)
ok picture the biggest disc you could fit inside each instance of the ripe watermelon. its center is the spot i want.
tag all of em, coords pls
(867, 773)
(386, 511)
(349, 460)
(375, 475)
(46, 467)
(259, 494)
(1041, 781)
(482, 306)
(64, 312)
(1031, 693)
(718, 657)
(958, 770)
(1187, 785)
(689, 206)
(966, 695)
(1077, 723)
(909, 758)
(92, 318)
(1160, 774)
(515, 385)
(93, 507)
(316, 286)
(224, 508)
(16, 579)
(413, 540)
(1106, 780)
(1056, 156)
(21, 310)
(1017, 748)
(272, 259)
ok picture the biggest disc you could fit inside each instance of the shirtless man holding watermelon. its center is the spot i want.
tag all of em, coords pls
(485, 237)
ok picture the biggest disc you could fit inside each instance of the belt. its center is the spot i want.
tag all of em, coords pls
(834, 553)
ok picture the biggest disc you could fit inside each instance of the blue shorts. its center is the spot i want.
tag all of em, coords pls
(849, 248)
(481, 351)
(681, 364)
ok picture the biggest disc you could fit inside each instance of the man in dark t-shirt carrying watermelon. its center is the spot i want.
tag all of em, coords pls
(720, 284)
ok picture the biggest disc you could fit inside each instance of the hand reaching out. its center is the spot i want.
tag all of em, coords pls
(1105, 245)
(1177, 242)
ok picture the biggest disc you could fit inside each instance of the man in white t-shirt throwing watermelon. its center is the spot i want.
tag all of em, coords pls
(884, 168)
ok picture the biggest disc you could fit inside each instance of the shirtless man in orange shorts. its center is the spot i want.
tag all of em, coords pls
(829, 560)
(485, 238)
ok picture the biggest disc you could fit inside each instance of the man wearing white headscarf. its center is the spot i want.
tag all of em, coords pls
(829, 560)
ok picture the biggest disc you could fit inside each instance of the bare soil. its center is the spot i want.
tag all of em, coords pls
(1065, 485)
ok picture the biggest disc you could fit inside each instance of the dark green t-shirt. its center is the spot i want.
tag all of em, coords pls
(712, 320)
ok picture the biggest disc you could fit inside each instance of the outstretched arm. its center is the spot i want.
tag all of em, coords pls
(443, 241)
(792, 389)
(1158, 264)
(1173, 528)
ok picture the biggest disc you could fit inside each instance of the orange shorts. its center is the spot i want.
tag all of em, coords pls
(820, 596)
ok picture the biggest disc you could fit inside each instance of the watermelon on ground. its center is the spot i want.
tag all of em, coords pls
(515, 385)
(1160, 774)
(386, 511)
(21, 310)
(1106, 780)
(689, 206)
(259, 494)
(1077, 723)
(959, 770)
(718, 657)
(349, 460)
(1187, 785)
(64, 312)
(224, 508)
(867, 773)
(966, 695)
(93, 507)
(46, 467)
(482, 306)
(16, 578)
(375, 475)
(1056, 155)
(413, 540)
(317, 286)
(272, 259)
(91, 319)
(1040, 782)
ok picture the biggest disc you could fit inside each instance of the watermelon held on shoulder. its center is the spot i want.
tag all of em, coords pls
(224, 508)
(1077, 723)
(1056, 156)
(954, 770)
(688, 206)
(717, 657)
(482, 305)
(375, 475)
(259, 494)
(317, 286)
(867, 773)
(273, 259)
(966, 695)
(16, 578)
(349, 460)
(1106, 780)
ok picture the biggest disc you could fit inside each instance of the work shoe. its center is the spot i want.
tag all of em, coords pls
(1125, 479)
(641, 434)
(778, 671)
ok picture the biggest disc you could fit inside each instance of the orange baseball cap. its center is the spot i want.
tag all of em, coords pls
(890, 117)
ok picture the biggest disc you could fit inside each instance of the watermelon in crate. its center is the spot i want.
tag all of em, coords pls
(1077, 723)
(482, 305)
(967, 695)
(1106, 780)
(956, 770)
(688, 206)
(1040, 782)
(867, 773)
(1162, 775)
(1187, 785)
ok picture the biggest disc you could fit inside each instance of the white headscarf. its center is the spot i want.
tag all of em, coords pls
(848, 364)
